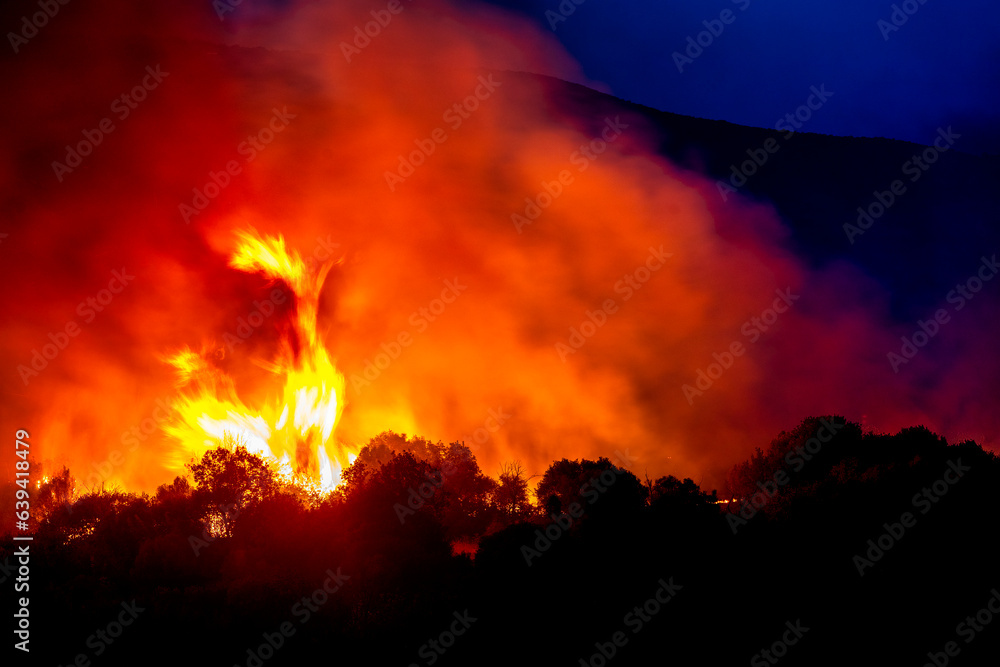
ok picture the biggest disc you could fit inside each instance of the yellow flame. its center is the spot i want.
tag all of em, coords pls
(295, 432)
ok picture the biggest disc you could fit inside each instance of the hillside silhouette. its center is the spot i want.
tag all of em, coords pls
(816, 183)
(418, 542)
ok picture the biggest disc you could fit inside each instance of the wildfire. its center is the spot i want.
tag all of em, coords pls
(295, 431)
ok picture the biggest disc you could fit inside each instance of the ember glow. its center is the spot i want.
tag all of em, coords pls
(296, 429)
(515, 272)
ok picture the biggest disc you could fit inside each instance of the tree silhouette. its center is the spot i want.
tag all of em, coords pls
(553, 505)
(230, 480)
(586, 482)
(176, 508)
(381, 448)
(418, 474)
(54, 496)
(806, 454)
(468, 492)
(673, 500)
(669, 489)
(394, 527)
(511, 495)
(562, 479)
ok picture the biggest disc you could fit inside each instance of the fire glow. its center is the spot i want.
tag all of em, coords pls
(296, 431)
(95, 388)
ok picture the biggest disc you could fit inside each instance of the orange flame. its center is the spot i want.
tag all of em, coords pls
(294, 432)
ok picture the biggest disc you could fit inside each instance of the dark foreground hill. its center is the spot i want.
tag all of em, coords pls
(841, 548)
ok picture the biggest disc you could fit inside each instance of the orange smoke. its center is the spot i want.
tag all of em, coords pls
(516, 272)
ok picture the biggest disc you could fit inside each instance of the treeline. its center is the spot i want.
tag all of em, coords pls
(838, 547)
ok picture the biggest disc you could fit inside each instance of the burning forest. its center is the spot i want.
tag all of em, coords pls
(393, 332)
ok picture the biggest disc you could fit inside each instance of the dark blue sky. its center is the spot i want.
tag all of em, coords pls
(941, 67)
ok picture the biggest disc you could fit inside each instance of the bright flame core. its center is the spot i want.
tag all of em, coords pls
(295, 432)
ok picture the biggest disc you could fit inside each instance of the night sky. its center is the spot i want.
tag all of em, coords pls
(938, 68)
